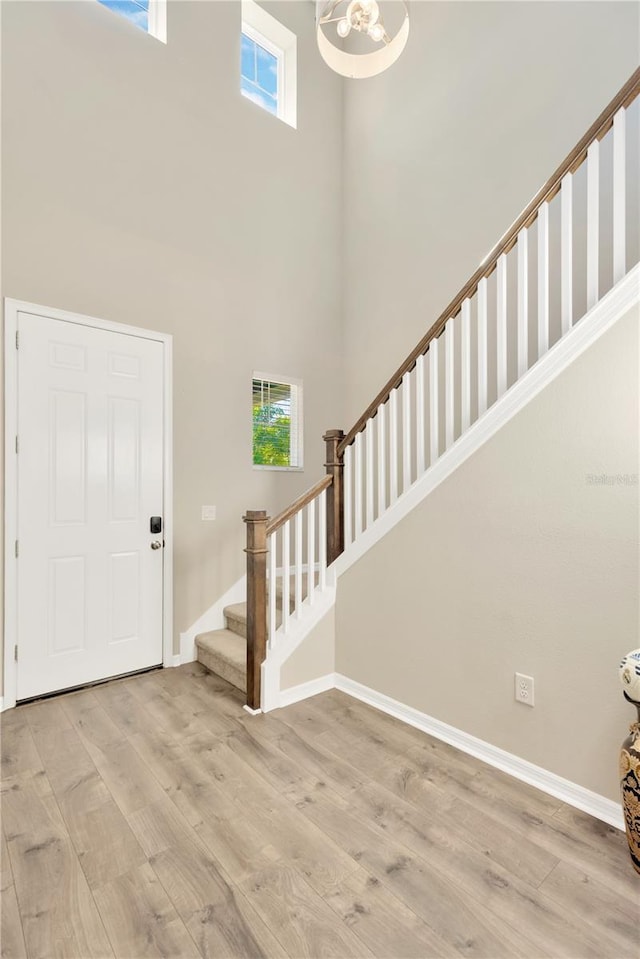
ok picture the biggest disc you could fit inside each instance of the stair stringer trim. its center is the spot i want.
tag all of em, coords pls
(272, 696)
(611, 308)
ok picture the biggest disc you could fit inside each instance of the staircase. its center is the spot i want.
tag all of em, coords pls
(224, 651)
(514, 322)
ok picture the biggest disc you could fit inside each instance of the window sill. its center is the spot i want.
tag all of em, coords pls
(281, 469)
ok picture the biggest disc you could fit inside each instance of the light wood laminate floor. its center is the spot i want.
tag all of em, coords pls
(152, 816)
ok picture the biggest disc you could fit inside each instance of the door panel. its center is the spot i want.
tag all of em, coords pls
(90, 473)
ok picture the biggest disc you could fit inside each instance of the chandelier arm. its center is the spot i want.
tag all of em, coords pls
(329, 12)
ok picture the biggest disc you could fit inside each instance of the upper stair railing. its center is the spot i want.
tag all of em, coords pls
(572, 243)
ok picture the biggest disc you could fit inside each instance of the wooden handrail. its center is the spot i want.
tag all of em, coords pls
(298, 504)
(596, 131)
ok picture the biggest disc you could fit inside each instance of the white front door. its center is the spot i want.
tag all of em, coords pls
(90, 477)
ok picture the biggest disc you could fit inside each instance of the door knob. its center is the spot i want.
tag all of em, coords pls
(156, 545)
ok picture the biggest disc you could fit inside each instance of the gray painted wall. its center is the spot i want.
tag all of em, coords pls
(517, 563)
(445, 149)
(139, 186)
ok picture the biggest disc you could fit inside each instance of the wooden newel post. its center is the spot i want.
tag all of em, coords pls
(335, 495)
(256, 551)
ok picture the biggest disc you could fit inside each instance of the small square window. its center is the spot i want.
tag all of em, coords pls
(277, 422)
(268, 63)
(148, 15)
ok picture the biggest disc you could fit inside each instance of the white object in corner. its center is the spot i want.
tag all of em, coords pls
(592, 803)
(213, 618)
(252, 712)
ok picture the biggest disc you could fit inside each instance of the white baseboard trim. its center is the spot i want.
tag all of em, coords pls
(213, 618)
(1, 704)
(306, 690)
(592, 803)
(252, 712)
(611, 308)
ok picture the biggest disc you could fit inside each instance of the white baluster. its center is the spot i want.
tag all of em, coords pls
(482, 346)
(272, 545)
(368, 435)
(465, 366)
(543, 279)
(406, 432)
(286, 576)
(311, 551)
(501, 325)
(566, 253)
(619, 193)
(593, 223)
(420, 453)
(322, 539)
(382, 460)
(448, 384)
(357, 489)
(523, 302)
(433, 402)
(298, 569)
(348, 495)
(393, 446)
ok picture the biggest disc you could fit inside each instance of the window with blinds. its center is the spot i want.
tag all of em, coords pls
(277, 422)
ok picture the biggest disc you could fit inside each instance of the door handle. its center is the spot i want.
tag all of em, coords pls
(156, 545)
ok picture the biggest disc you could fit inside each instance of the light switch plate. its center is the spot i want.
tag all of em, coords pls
(208, 512)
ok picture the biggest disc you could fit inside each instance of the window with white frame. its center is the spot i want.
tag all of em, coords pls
(276, 422)
(268, 63)
(148, 15)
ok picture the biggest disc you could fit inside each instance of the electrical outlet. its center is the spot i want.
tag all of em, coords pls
(208, 512)
(524, 689)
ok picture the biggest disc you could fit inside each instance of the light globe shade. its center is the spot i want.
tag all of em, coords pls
(360, 66)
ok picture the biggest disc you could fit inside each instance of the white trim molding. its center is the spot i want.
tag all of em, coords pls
(306, 690)
(252, 712)
(282, 649)
(548, 782)
(11, 310)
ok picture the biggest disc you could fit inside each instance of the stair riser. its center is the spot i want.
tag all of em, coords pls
(237, 625)
(221, 668)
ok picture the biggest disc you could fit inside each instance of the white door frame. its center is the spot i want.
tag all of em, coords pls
(11, 310)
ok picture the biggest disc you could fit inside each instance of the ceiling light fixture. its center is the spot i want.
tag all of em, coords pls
(363, 17)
